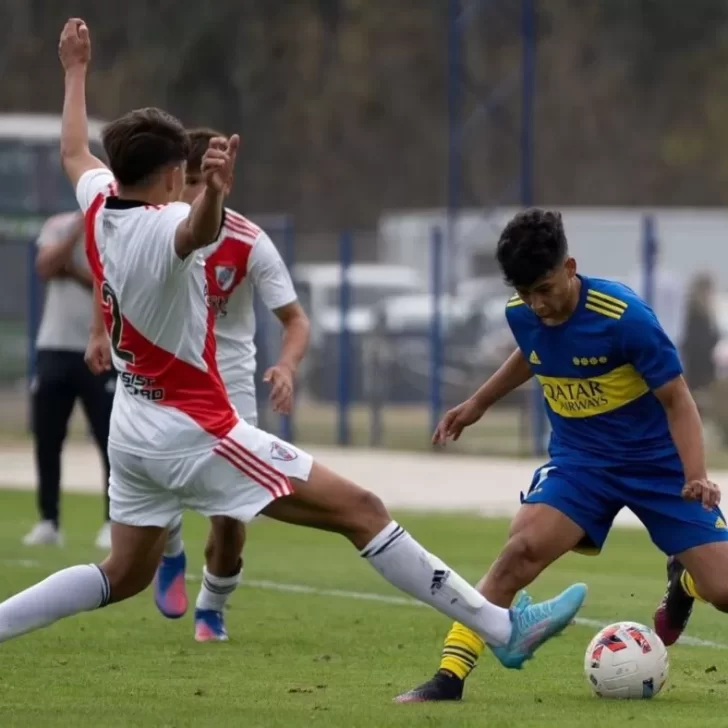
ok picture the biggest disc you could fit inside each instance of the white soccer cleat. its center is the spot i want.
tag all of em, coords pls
(43, 533)
(103, 539)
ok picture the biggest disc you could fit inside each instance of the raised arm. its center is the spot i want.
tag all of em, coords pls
(653, 355)
(74, 51)
(203, 224)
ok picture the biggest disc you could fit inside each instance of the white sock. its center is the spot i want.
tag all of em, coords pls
(216, 590)
(409, 567)
(174, 545)
(73, 590)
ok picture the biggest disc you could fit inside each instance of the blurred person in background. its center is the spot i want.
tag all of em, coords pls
(61, 375)
(701, 337)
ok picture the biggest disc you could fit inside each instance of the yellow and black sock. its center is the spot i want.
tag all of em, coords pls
(461, 651)
(688, 584)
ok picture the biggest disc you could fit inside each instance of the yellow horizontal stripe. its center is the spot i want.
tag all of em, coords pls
(609, 299)
(596, 395)
(516, 302)
(603, 311)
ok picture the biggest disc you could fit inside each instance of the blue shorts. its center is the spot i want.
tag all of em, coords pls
(592, 497)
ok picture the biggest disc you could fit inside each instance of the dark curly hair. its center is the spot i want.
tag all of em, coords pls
(531, 245)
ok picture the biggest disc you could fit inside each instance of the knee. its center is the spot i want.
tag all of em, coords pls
(126, 579)
(365, 516)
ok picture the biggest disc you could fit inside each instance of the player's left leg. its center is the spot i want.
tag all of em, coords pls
(695, 541)
(223, 566)
(698, 573)
(220, 577)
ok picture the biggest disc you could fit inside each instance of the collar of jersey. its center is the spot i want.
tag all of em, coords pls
(115, 203)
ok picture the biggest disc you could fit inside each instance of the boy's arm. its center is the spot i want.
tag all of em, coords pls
(648, 348)
(75, 54)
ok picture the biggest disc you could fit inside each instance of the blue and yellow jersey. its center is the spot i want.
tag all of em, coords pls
(597, 371)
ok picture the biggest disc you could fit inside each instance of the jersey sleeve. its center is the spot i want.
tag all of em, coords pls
(162, 257)
(269, 275)
(647, 347)
(91, 184)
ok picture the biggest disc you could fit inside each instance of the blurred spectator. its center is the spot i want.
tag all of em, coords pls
(701, 335)
(62, 376)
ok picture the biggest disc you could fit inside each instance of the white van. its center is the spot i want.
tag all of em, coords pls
(319, 289)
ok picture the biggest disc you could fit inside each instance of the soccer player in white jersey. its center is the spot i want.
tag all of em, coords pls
(242, 259)
(176, 442)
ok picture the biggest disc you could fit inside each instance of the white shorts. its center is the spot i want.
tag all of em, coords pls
(239, 477)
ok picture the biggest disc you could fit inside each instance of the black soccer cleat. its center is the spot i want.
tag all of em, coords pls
(673, 613)
(442, 686)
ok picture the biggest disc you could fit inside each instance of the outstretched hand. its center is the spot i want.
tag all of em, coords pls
(451, 426)
(218, 162)
(74, 47)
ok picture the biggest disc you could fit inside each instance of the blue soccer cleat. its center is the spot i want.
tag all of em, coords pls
(534, 624)
(170, 590)
(210, 626)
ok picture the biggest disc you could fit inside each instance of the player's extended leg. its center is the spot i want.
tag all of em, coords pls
(566, 508)
(329, 502)
(127, 570)
(538, 536)
(220, 577)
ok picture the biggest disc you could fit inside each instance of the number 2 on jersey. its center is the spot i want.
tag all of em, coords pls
(110, 299)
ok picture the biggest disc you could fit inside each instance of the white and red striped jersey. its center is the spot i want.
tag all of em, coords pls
(170, 399)
(242, 260)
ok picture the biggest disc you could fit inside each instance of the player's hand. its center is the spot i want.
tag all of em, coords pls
(280, 377)
(456, 420)
(74, 48)
(218, 162)
(704, 490)
(98, 353)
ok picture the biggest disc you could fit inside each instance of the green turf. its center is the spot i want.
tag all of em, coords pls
(299, 659)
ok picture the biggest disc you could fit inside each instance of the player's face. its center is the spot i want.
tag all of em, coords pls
(194, 184)
(552, 296)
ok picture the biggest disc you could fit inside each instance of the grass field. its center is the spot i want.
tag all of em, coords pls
(303, 657)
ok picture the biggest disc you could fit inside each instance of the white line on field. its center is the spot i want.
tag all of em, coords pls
(371, 597)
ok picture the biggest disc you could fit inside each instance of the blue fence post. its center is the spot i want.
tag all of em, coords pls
(34, 296)
(649, 255)
(454, 138)
(287, 428)
(436, 348)
(528, 82)
(344, 374)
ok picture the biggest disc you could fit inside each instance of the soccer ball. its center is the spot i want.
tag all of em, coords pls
(626, 660)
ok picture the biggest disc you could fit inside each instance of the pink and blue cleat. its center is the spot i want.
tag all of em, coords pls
(210, 626)
(170, 591)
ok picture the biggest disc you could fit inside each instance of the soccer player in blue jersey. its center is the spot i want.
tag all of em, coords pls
(625, 433)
